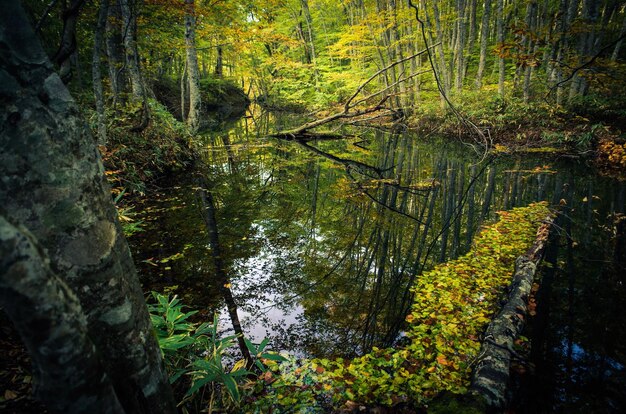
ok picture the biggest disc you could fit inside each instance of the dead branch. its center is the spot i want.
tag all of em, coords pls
(347, 105)
(293, 133)
(350, 105)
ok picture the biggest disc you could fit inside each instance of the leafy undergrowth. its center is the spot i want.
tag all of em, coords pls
(454, 302)
(611, 158)
(133, 159)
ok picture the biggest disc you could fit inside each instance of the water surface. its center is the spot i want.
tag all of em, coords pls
(321, 240)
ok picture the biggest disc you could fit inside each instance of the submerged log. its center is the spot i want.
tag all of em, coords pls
(491, 375)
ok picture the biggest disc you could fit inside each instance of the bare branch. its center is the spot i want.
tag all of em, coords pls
(347, 105)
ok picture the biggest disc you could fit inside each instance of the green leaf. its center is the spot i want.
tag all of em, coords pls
(273, 357)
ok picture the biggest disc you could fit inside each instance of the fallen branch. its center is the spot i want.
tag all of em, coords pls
(351, 105)
(294, 133)
(490, 377)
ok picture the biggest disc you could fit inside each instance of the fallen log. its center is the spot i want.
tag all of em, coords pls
(491, 373)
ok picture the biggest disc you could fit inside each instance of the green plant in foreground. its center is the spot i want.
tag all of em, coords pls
(195, 350)
(198, 351)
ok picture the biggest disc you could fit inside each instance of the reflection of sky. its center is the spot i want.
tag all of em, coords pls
(265, 307)
(580, 355)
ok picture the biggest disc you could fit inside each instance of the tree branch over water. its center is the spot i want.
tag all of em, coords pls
(351, 105)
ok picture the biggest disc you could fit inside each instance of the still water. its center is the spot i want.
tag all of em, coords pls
(320, 241)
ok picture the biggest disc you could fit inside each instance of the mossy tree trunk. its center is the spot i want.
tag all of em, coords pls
(52, 187)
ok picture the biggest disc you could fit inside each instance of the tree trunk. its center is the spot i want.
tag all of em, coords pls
(183, 93)
(53, 185)
(308, 34)
(77, 384)
(193, 72)
(500, 31)
(129, 32)
(97, 75)
(67, 46)
(531, 17)
(114, 48)
(219, 61)
(459, 48)
(484, 37)
(490, 377)
(618, 45)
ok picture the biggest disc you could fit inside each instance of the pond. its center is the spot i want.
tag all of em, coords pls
(317, 243)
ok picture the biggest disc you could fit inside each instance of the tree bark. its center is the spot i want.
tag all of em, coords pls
(484, 38)
(618, 45)
(53, 185)
(500, 32)
(193, 72)
(67, 47)
(50, 320)
(459, 48)
(96, 74)
(129, 32)
(490, 377)
(114, 48)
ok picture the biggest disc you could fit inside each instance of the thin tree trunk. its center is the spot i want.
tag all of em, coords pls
(459, 49)
(129, 30)
(219, 62)
(618, 45)
(183, 93)
(67, 47)
(531, 12)
(97, 75)
(114, 48)
(500, 31)
(193, 73)
(484, 37)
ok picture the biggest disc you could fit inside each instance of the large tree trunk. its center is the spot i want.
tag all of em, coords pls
(78, 384)
(193, 72)
(53, 185)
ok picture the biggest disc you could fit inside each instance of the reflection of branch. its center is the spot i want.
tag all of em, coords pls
(374, 199)
(362, 168)
(349, 164)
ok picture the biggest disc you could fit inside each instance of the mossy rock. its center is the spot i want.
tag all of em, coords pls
(221, 98)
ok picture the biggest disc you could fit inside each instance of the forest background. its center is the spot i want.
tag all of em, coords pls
(526, 70)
